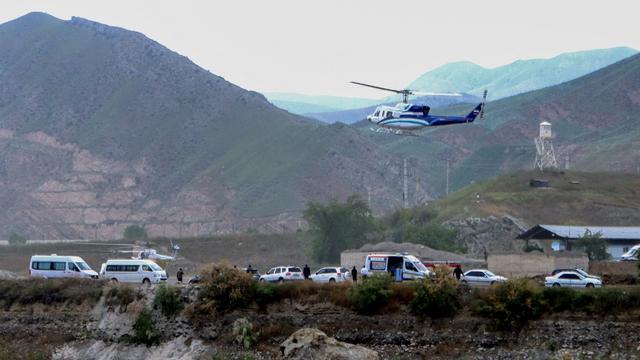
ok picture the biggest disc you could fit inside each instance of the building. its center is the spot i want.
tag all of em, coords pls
(560, 237)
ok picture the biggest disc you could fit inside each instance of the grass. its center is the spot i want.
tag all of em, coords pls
(49, 292)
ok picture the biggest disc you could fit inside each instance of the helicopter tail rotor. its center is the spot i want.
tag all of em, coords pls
(484, 100)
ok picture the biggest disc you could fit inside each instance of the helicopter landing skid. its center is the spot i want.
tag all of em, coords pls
(394, 131)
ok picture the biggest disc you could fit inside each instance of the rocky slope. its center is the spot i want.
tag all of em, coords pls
(101, 128)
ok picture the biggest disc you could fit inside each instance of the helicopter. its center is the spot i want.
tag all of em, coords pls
(410, 119)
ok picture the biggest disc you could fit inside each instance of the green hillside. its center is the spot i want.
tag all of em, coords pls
(520, 76)
(573, 198)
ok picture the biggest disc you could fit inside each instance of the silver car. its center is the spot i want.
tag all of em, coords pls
(571, 279)
(479, 277)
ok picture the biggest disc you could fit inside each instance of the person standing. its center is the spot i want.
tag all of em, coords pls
(354, 274)
(458, 272)
(179, 275)
(306, 272)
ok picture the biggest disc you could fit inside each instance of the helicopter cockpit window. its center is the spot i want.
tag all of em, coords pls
(376, 113)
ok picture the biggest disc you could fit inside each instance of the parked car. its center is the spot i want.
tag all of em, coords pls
(253, 272)
(571, 279)
(579, 271)
(411, 266)
(282, 274)
(480, 277)
(60, 266)
(632, 254)
(331, 274)
(133, 271)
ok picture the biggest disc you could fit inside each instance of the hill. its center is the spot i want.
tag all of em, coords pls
(520, 76)
(101, 128)
(573, 198)
(304, 104)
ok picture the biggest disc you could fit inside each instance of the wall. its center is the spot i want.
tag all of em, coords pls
(534, 263)
(614, 267)
(351, 259)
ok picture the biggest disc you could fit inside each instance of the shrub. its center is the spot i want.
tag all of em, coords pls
(370, 294)
(168, 300)
(223, 289)
(436, 299)
(144, 331)
(17, 239)
(49, 292)
(266, 294)
(512, 304)
(134, 232)
(560, 299)
(121, 295)
(243, 333)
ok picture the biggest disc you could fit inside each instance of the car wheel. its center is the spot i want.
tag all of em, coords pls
(332, 280)
(556, 285)
(464, 282)
(261, 280)
(493, 283)
(114, 280)
(281, 280)
(589, 285)
(146, 281)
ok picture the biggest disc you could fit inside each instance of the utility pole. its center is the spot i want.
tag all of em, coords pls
(566, 162)
(369, 197)
(447, 188)
(404, 185)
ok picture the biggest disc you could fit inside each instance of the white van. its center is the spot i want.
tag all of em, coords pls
(411, 266)
(133, 271)
(60, 266)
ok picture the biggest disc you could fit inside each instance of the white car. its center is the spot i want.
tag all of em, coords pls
(479, 277)
(571, 279)
(282, 274)
(632, 254)
(331, 274)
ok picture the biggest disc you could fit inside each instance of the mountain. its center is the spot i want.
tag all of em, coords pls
(520, 76)
(101, 128)
(594, 120)
(355, 115)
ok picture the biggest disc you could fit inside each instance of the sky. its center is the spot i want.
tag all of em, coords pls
(317, 47)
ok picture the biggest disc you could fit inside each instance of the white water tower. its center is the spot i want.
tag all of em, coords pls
(545, 156)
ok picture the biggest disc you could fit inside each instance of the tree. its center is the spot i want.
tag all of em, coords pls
(134, 232)
(594, 245)
(338, 226)
(17, 239)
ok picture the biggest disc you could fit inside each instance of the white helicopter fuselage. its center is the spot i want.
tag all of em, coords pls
(402, 117)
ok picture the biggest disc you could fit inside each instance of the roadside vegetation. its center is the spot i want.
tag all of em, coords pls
(14, 292)
(338, 226)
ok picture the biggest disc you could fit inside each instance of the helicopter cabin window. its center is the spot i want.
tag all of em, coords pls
(376, 113)
(388, 115)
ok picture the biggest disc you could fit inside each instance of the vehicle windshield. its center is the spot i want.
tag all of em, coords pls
(155, 267)
(582, 272)
(295, 269)
(420, 266)
(83, 266)
(489, 273)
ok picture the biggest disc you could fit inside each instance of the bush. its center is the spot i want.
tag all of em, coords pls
(436, 299)
(222, 289)
(512, 304)
(266, 294)
(134, 232)
(144, 331)
(121, 295)
(371, 294)
(49, 292)
(243, 333)
(560, 299)
(17, 239)
(168, 300)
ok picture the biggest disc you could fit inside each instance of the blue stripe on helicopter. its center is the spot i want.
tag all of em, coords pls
(385, 122)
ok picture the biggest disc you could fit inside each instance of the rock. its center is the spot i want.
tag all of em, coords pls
(310, 344)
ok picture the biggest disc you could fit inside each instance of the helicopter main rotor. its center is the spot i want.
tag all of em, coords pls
(406, 92)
